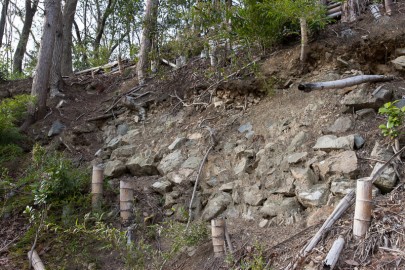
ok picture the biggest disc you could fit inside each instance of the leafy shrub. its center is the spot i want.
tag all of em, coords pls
(394, 121)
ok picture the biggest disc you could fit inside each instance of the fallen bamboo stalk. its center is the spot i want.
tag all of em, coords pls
(335, 15)
(173, 65)
(334, 10)
(333, 5)
(35, 260)
(343, 205)
(308, 87)
(334, 253)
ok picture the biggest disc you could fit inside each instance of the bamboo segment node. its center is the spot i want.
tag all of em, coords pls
(362, 212)
(218, 236)
(36, 261)
(334, 253)
(97, 186)
(126, 201)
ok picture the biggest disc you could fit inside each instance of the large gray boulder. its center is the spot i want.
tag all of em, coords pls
(253, 196)
(279, 206)
(304, 177)
(342, 186)
(170, 162)
(315, 196)
(216, 206)
(332, 142)
(114, 168)
(125, 151)
(142, 165)
(362, 98)
(341, 164)
(387, 180)
(162, 186)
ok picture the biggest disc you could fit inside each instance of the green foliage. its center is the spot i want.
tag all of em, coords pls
(266, 21)
(394, 121)
(254, 260)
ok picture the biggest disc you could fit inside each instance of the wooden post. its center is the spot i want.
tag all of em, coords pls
(304, 39)
(218, 239)
(97, 187)
(35, 260)
(126, 201)
(334, 253)
(362, 212)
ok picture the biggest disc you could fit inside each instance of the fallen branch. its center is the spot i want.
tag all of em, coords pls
(308, 87)
(164, 61)
(213, 143)
(334, 253)
(335, 15)
(35, 260)
(339, 210)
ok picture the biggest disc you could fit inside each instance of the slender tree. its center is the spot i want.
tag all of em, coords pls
(68, 16)
(41, 80)
(30, 10)
(3, 19)
(56, 77)
(149, 22)
(101, 25)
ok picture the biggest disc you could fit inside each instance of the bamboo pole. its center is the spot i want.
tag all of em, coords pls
(362, 212)
(218, 236)
(334, 15)
(334, 253)
(308, 87)
(333, 5)
(36, 262)
(304, 40)
(97, 187)
(334, 10)
(126, 201)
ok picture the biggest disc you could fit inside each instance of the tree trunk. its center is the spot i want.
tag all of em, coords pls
(388, 7)
(30, 11)
(3, 19)
(56, 76)
(68, 17)
(43, 68)
(146, 41)
(304, 40)
(101, 26)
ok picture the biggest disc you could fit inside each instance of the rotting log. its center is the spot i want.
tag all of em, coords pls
(362, 212)
(308, 87)
(35, 260)
(218, 236)
(334, 253)
(126, 201)
(339, 210)
(97, 187)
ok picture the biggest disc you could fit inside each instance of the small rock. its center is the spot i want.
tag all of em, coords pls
(365, 113)
(342, 124)
(122, 129)
(399, 63)
(195, 136)
(315, 196)
(343, 164)
(191, 163)
(177, 143)
(114, 168)
(180, 176)
(125, 151)
(331, 142)
(387, 180)
(245, 128)
(297, 157)
(298, 141)
(253, 196)
(358, 141)
(114, 143)
(279, 206)
(381, 152)
(304, 177)
(212, 182)
(241, 166)
(227, 187)
(342, 186)
(216, 206)
(56, 128)
(170, 162)
(142, 165)
(162, 186)
(131, 136)
(263, 223)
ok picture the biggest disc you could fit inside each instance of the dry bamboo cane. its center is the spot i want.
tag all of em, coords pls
(308, 87)
(339, 210)
(304, 39)
(126, 201)
(362, 212)
(334, 15)
(334, 253)
(97, 187)
(333, 5)
(334, 10)
(218, 236)
(35, 260)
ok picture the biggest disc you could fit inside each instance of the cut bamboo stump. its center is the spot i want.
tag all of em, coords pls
(126, 201)
(35, 260)
(362, 212)
(334, 253)
(97, 187)
(218, 237)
